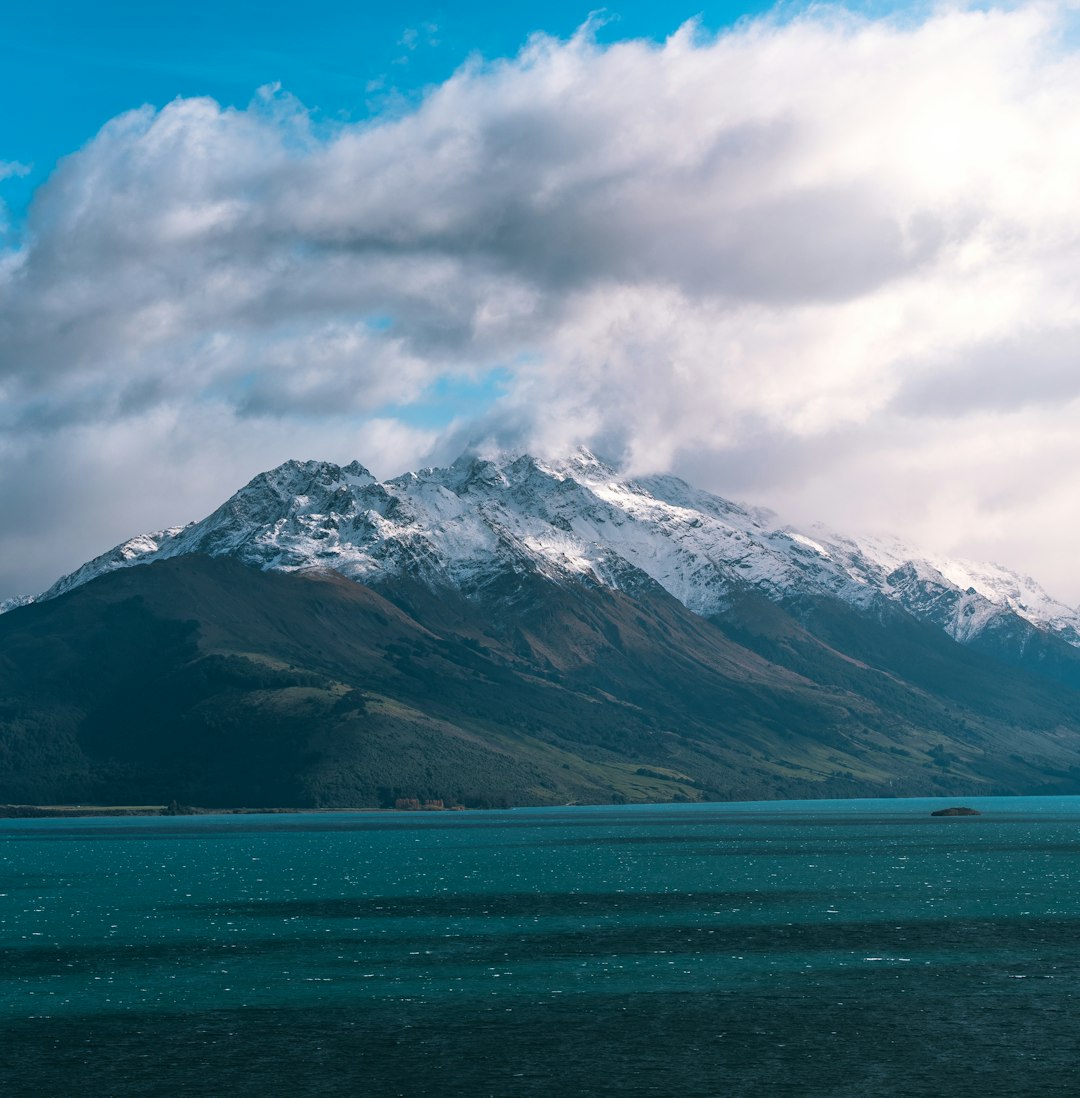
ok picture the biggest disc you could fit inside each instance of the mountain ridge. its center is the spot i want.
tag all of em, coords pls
(579, 520)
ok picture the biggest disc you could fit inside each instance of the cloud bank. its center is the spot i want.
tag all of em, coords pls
(825, 262)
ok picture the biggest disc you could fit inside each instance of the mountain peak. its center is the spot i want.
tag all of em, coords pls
(582, 460)
(294, 471)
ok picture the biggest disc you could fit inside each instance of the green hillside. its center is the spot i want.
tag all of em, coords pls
(210, 683)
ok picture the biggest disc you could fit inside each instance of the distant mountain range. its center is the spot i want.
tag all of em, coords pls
(517, 631)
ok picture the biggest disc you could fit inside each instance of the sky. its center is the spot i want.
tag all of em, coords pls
(823, 259)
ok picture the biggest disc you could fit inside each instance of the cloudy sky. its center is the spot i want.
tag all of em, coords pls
(823, 259)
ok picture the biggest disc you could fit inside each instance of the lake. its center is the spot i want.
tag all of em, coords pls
(782, 948)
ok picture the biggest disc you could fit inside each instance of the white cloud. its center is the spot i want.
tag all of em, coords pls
(13, 168)
(829, 263)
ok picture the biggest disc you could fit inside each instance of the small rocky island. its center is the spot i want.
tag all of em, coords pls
(956, 812)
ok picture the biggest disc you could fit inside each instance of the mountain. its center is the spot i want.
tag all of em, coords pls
(526, 632)
(578, 520)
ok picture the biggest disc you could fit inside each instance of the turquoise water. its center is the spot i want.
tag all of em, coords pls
(802, 948)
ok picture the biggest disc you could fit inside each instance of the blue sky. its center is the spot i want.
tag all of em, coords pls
(71, 66)
(821, 258)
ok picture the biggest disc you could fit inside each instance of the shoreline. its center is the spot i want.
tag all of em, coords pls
(88, 811)
(10, 811)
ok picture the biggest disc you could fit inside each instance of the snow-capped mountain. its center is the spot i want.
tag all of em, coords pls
(577, 520)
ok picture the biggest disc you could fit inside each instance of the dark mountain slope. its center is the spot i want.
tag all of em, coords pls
(213, 683)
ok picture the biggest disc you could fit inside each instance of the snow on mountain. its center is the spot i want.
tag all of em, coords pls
(12, 604)
(575, 520)
(961, 596)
